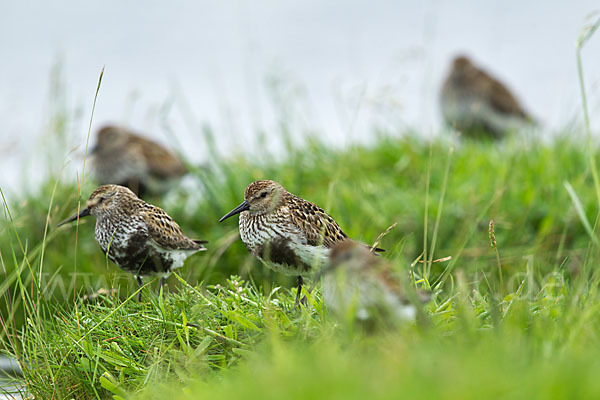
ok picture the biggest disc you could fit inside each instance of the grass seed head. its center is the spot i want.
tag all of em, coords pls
(492, 234)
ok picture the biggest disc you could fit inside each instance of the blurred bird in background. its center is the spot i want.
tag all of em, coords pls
(478, 105)
(124, 158)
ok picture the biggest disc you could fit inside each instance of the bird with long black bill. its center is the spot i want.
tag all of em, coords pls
(287, 233)
(137, 236)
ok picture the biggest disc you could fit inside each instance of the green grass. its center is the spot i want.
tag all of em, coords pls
(519, 319)
(536, 337)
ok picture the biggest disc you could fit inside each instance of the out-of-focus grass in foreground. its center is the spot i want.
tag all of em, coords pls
(536, 335)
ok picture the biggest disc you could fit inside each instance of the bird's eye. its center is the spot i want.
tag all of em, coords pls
(263, 194)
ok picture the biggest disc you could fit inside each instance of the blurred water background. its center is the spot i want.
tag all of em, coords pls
(339, 68)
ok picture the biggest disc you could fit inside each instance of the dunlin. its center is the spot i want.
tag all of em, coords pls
(287, 233)
(359, 285)
(125, 158)
(477, 104)
(139, 237)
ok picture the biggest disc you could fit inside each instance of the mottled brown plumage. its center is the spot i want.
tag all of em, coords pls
(358, 284)
(140, 238)
(287, 233)
(125, 158)
(477, 104)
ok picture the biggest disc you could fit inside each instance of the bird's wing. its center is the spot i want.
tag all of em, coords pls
(394, 282)
(166, 233)
(387, 277)
(500, 96)
(318, 227)
(161, 162)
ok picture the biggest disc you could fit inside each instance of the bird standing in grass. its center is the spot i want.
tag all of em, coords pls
(478, 105)
(139, 237)
(287, 233)
(124, 158)
(364, 288)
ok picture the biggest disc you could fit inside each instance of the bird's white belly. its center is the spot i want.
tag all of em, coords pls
(177, 257)
(118, 171)
(465, 113)
(314, 256)
(257, 235)
(343, 293)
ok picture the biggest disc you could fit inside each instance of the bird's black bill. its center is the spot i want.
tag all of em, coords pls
(242, 207)
(83, 213)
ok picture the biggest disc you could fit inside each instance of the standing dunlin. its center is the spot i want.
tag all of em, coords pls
(477, 104)
(124, 158)
(139, 237)
(287, 233)
(358, 285)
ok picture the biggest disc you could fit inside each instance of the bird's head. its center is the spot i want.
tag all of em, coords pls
(350, 255)
(461, 62)
(105, 200)
(260, 197)
(110, 138)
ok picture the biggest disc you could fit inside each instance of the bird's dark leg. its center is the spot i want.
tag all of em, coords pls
(140, 284)
(162, 284)
(298, 292)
